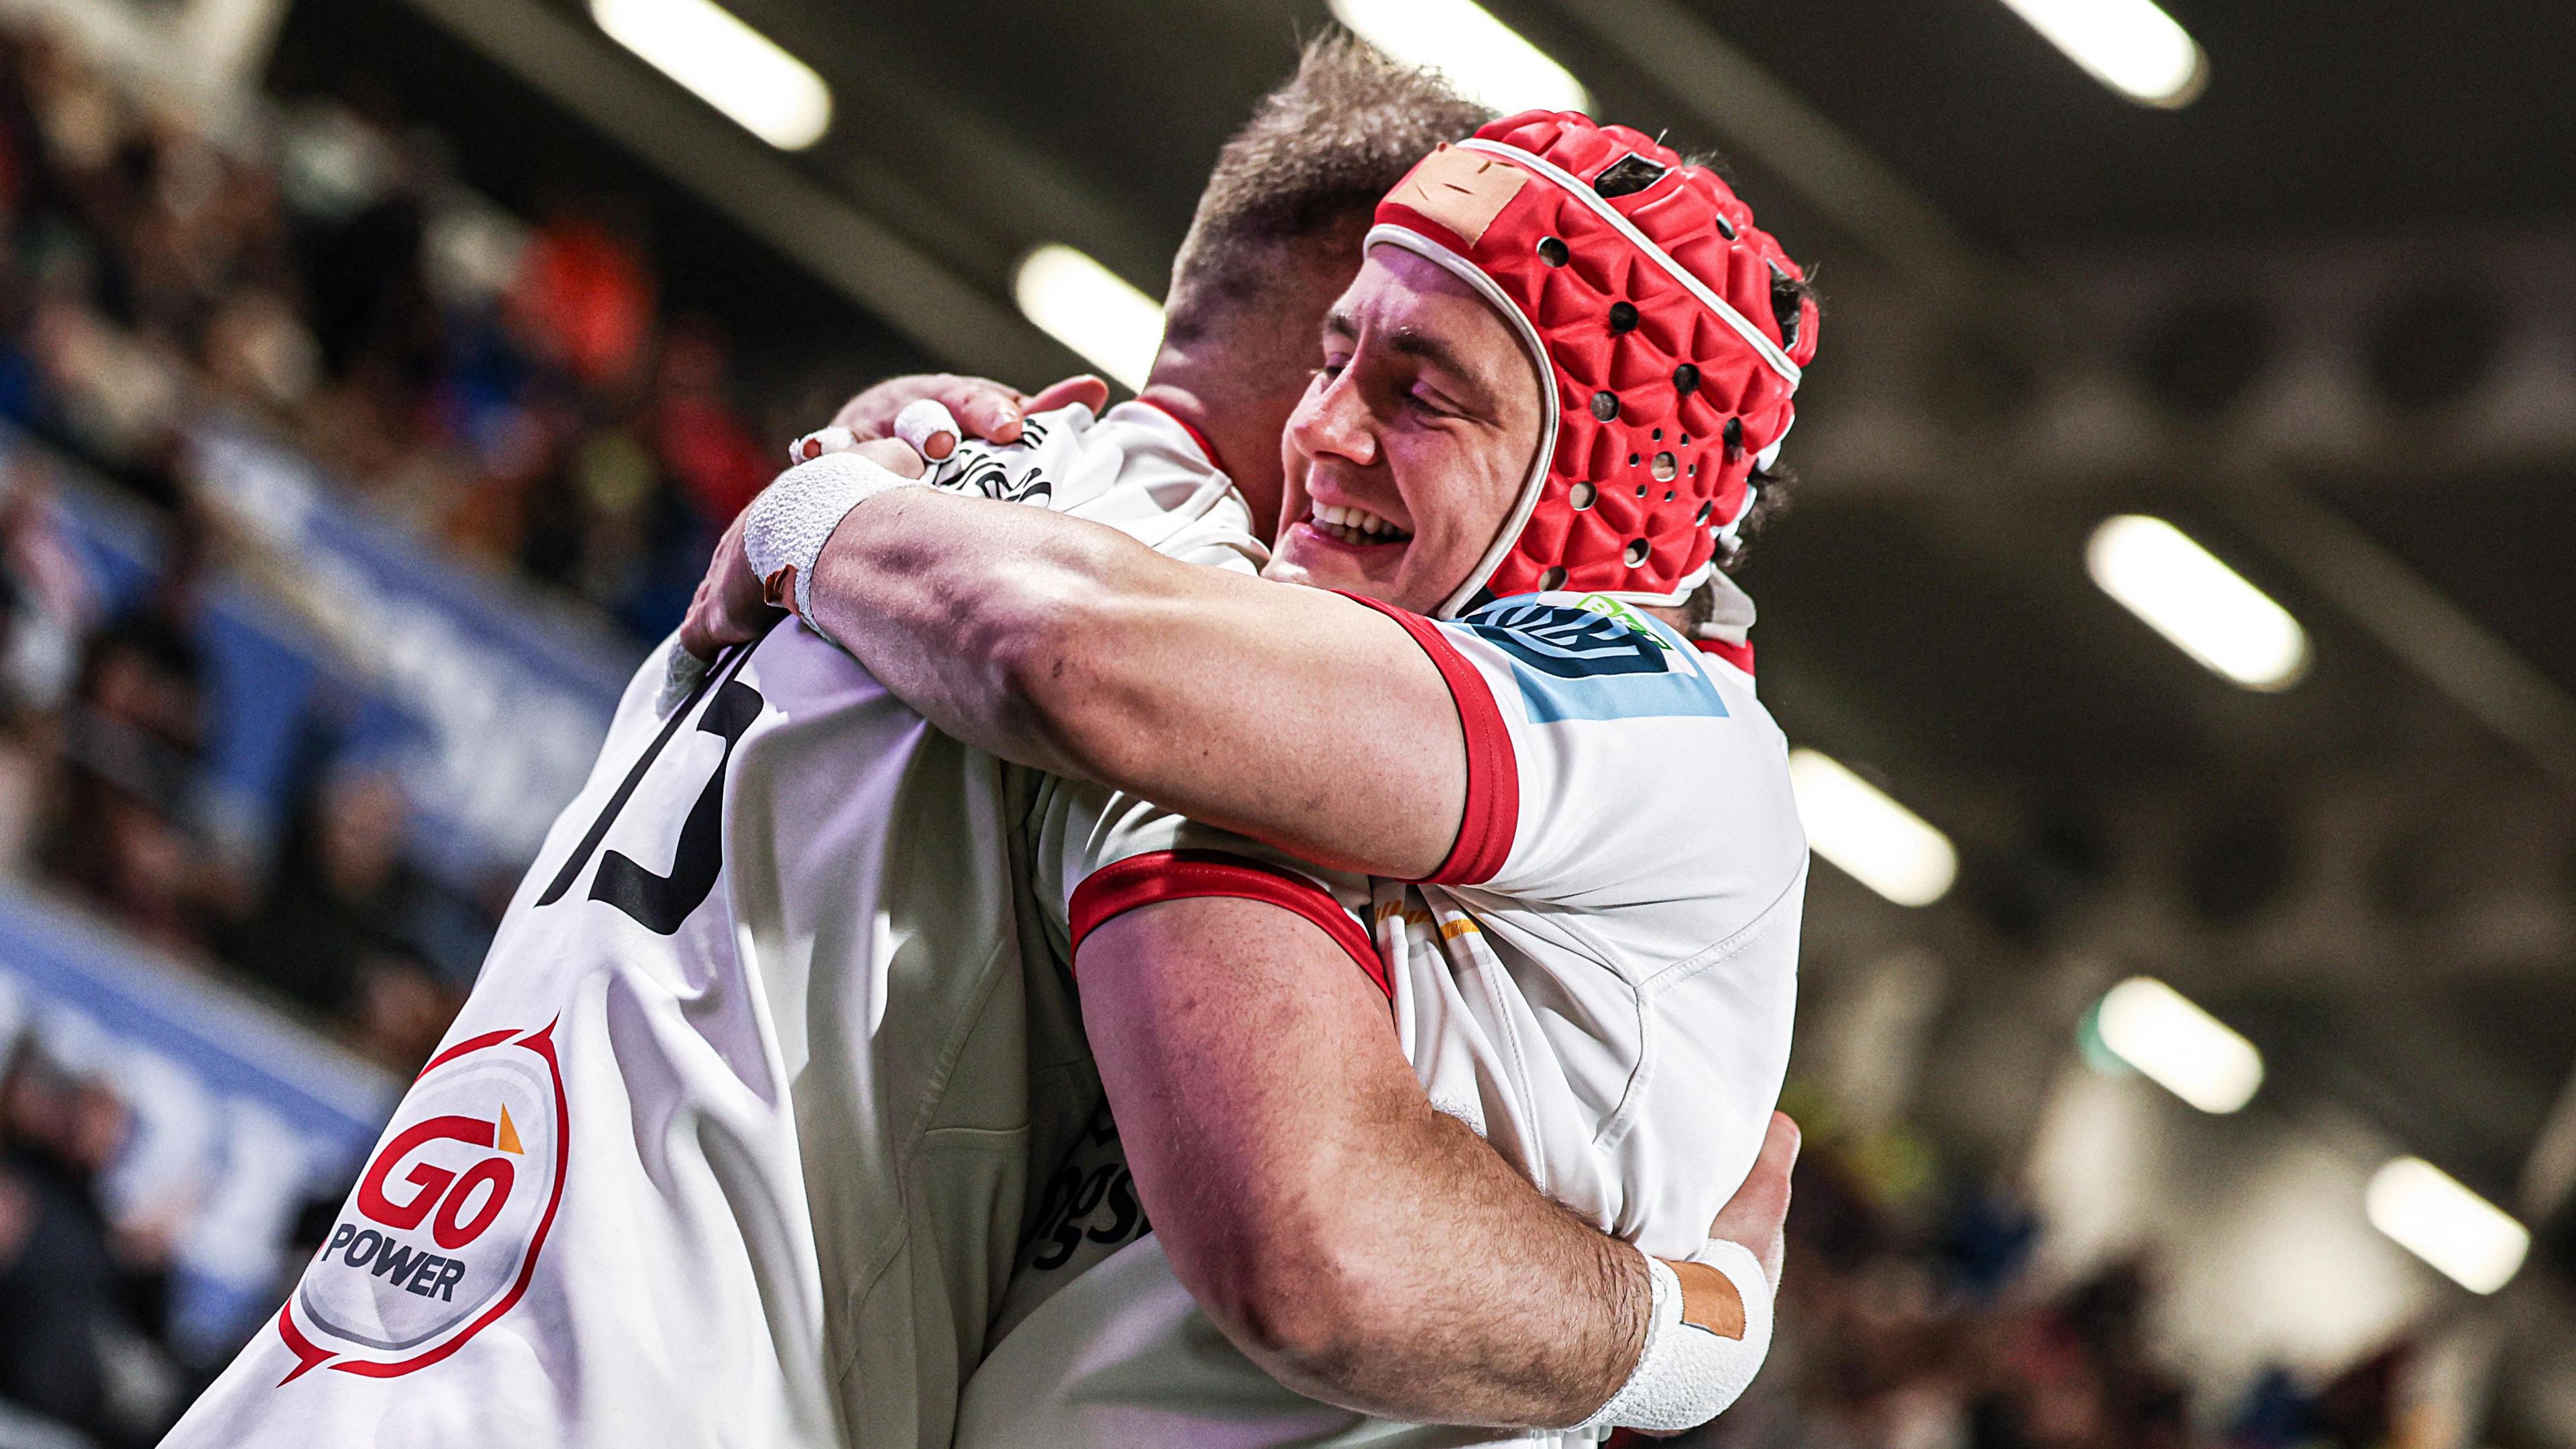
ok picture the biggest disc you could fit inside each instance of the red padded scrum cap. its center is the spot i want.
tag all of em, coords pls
(1669, 332)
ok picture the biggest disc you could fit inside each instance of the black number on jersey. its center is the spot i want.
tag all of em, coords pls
(660, 903)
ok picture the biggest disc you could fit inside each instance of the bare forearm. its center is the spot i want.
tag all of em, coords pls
(1362, 1246)
(1289, 714)
(1484, 1302)
(946, 600)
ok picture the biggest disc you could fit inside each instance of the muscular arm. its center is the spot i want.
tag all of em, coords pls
(1288, 714)
(1361, 1246)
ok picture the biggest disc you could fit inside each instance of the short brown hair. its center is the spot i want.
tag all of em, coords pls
(1314, 159)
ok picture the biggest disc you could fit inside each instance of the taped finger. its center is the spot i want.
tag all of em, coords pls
(823, 440)
(928, 426)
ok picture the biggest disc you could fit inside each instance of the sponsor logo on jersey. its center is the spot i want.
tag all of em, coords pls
(442, 1234)
(985, 469)
(1090, 1208)
(1610, 608)
(1593, 659)
(1570, 643)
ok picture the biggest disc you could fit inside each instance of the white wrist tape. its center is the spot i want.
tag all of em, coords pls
(791, 521)
(1689, 1375)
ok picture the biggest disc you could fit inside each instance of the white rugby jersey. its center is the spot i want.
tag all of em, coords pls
(729, 1144)
(1599, 979)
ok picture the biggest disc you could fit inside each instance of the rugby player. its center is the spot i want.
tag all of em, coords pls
(1543, 406)
(729, 1144)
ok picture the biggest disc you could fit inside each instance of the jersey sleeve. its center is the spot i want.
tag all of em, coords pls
(1607, 769)
(1100, 853)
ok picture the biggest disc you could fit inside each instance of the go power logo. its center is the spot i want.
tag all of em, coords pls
(443, 1232)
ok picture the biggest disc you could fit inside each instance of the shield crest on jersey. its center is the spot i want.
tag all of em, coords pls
(442, 1233)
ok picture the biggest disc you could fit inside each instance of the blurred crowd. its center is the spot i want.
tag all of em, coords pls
(1914, 1316)
(105, 797)
(84, 1287)
(510, 390)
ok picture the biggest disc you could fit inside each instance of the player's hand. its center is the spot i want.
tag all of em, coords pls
(1757, 1216)
(731, 606)
(985, 409)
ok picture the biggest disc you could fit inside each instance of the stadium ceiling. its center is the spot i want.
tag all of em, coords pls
(2293, 316)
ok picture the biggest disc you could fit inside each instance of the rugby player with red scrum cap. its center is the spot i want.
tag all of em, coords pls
(1544, 811)
(730, 1143)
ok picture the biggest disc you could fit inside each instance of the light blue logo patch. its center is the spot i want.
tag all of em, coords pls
(1579, 663)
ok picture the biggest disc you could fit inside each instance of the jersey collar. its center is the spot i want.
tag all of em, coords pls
(1206, 448)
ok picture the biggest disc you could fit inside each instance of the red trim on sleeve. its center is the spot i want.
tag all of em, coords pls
(1195, 435)
(1173, 875)
(1739, 655)
(1493, 813)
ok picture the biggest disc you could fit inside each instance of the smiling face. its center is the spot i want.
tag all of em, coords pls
(1413, 442)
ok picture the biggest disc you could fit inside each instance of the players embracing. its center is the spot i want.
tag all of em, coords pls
(1435, 937)
(1543, 405)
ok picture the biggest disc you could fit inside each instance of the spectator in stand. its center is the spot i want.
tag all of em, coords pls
(585, 298)
(123, 835)
(341, 928)
(125, 828)
(45, 608)
(402, 1009)
(701, 438)
(81, 1305)
(494, 382)
(27, 745)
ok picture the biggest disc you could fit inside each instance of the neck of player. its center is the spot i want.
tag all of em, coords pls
(1239, 413)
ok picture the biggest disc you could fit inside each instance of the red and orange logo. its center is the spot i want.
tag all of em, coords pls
(442, 1235)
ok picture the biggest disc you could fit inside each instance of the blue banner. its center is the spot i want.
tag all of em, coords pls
(512, 691)
(239, 1115)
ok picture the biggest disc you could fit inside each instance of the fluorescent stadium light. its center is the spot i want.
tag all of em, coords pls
(1092, 310)
(729, 65)
(2474, 1242)
(1876, 841)
(1482, 56)
(2204, 607)
(2128, 45)
(2180, 1047)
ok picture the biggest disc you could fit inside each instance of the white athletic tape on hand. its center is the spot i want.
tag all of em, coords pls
(923, 421)
(791, 521)
(1689, 1375)
(822, 440)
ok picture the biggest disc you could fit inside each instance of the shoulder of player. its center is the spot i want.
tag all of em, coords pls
(1141, 438)
(1592, 658)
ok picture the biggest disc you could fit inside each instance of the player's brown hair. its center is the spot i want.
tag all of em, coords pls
(1311, 164)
